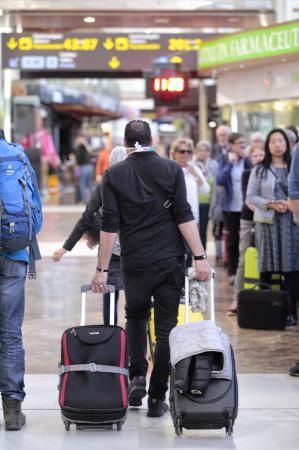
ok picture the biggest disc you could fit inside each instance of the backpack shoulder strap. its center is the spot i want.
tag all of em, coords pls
(34, 254)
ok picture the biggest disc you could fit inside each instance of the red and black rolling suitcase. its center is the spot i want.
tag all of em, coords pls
(94, 373)
(217, 407)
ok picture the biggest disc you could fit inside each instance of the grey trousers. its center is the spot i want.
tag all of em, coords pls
(244, 243)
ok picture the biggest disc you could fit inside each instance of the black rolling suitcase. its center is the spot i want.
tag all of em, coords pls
(217, 407)
(94, 373)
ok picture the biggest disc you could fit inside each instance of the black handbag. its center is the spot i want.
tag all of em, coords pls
(264, 309)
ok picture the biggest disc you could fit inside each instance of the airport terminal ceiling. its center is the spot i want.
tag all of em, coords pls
(208, 16)
(203, 19)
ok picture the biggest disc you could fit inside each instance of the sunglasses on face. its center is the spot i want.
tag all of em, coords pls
(184, 150)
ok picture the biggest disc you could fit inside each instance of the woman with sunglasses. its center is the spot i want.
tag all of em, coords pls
(182, 152)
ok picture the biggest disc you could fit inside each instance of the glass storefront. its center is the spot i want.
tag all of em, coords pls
(262, 116)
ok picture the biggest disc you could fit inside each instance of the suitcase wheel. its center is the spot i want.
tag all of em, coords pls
(229, 427)
(178, 426)
(119, 426)
(67, 425)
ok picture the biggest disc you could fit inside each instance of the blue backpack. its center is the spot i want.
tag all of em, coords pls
(20, 204)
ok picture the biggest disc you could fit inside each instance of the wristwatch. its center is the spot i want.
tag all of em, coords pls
(200, 257)
(102, 270)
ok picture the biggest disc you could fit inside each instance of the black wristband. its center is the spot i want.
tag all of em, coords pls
(101, 270)
(200, 257)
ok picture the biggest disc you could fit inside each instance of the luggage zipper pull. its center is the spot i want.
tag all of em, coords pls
(74, 332)
(11, 227)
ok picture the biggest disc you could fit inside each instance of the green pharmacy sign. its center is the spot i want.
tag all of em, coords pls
(255, 44)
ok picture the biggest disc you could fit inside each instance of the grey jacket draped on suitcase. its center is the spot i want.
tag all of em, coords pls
(203, 382)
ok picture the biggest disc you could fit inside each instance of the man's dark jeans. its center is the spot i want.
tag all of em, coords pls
(12, 298)
(163, 281)
(232, 226)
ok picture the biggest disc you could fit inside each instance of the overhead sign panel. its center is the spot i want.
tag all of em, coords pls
(255, 44)
(96, 52)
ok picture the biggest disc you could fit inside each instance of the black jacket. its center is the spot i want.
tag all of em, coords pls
(82, 155)
(246, 213)
(87, 219)
(148, 232)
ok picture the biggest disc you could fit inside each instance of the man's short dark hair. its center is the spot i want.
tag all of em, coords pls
(138, 131)
(233, 137)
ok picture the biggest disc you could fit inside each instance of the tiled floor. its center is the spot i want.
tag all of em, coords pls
(269, 398)
(268, 419)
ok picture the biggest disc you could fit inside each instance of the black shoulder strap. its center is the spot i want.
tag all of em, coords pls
(166, 202)
(283, 188)
(34, 254)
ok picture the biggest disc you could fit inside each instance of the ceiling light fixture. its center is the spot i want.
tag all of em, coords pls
(224, 6)
(19, 28)
(162, 20)
(263, 19)
(209, 82)
(89, 19)
(203, 3)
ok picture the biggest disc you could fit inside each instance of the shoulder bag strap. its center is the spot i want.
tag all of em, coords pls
(152, 185)
(285, 191)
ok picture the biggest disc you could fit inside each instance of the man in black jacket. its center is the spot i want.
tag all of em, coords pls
(152, 254)
(294, 206)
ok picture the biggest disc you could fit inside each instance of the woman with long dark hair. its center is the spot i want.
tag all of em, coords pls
(277, 235)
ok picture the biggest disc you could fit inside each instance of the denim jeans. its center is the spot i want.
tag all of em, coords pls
(12, 355)
(244, 243)
(232, 225)
(294, 175)
(85, 181)
(162, 281)
(203, 222)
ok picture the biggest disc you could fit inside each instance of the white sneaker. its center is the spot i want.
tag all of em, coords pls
(231, 279)
(232, 311)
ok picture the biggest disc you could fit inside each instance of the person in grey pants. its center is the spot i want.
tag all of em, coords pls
(246, 225)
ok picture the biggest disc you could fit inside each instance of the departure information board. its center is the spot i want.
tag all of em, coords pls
(97, 52)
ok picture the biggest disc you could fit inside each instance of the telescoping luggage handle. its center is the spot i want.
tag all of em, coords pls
(87, 287)
(212, 297)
